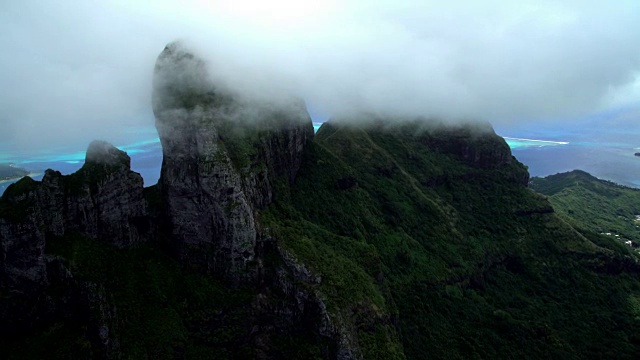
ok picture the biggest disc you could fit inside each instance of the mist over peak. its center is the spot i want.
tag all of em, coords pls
(80, 71)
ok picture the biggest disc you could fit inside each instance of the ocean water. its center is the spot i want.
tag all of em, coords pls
(603, 146)
(605, 152)
(609, 162)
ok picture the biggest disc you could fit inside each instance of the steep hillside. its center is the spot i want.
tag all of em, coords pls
(429, 244)
(592, 204)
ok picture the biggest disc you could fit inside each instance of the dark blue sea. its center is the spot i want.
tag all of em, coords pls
(604, 151)
(603, 146)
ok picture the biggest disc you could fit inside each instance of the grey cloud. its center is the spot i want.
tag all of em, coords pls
(78, 70)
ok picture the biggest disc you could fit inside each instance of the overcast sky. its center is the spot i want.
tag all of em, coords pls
(78, 70)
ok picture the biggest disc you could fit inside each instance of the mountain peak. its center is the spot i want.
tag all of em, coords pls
(180, 79)
(103, 153)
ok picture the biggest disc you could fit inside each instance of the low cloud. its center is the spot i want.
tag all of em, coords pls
(74, 70)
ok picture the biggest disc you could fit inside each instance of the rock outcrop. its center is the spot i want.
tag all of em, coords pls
(223, 155)
(477, 144)
(103, 200)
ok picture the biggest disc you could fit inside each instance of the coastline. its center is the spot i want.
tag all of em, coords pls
(542, 141)
(6, 181)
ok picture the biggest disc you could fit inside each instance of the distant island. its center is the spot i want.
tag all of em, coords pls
(11, 172)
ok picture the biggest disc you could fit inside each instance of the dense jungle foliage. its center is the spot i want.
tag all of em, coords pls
(461, 259)
(597, 205)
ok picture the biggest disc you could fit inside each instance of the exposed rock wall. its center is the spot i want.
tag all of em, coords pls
(477, 145)
(222, 157)
(103, 200)
(290, 304)
(22, 244)
(344, 345)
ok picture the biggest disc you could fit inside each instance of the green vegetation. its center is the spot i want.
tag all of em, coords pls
(401, 225)
(242, 142)
(595, 205)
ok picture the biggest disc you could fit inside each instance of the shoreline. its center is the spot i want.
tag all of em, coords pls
(542, 141)
(31, 175)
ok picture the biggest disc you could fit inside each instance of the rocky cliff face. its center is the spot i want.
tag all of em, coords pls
(222, 157)
(103, 200)
(477, 145)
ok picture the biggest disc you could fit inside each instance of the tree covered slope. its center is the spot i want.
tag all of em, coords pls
(429, 244)
(593, 204)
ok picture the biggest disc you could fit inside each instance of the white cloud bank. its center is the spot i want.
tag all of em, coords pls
(77, 70)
